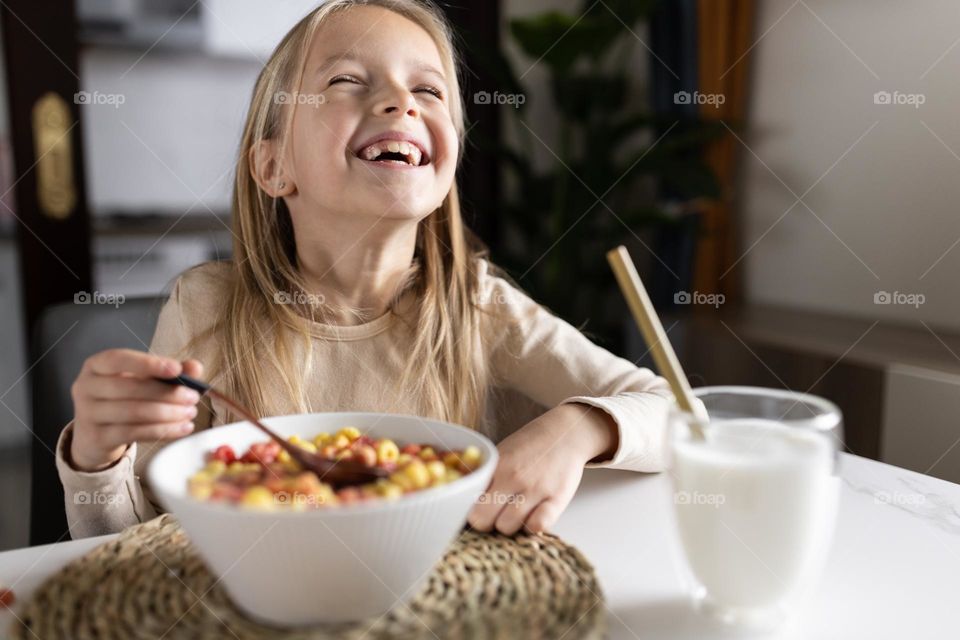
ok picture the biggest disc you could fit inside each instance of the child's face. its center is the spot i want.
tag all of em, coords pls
(380, 75)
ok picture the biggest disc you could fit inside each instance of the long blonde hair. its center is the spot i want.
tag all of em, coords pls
(446, 371)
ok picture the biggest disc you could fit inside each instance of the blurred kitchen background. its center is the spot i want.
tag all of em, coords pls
(785, 173)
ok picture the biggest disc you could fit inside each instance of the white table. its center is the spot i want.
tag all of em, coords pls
(893, 572)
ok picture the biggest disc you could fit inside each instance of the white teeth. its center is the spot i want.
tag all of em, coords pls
(414, 155)
(411, 151)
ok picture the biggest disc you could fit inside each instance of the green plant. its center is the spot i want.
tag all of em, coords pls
(606, 178)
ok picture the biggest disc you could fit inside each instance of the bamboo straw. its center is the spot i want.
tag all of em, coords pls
(651, 328)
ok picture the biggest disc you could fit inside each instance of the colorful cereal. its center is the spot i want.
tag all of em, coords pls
(266, 478)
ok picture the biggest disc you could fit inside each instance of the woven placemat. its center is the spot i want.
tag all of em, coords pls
(143, 585)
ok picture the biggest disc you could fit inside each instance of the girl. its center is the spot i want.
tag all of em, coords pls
(355, 286)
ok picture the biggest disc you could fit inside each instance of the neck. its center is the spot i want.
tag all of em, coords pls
(361, 273)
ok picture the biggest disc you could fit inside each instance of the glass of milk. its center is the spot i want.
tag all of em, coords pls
(755, 501)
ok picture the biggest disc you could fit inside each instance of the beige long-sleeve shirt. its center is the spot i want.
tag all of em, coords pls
(538, 360)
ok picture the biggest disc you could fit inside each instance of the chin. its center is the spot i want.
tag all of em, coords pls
(391, 209)
(399, 205)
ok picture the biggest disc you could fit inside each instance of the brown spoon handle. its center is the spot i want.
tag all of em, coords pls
(342, 472)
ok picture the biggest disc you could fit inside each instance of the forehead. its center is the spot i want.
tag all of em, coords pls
(375, 36)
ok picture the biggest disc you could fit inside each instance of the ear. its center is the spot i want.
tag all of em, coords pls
(267, 170)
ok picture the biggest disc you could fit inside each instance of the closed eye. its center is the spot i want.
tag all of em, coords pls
(344, 78)
(435, 92)
(431, 90)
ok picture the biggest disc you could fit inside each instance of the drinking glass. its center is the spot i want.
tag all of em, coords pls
(755, 501)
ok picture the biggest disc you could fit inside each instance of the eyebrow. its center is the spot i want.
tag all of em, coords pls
(351, 56)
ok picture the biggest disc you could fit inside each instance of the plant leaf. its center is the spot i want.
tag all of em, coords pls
(690, 178)
(559, 39)
(629, 11)
(579, 96)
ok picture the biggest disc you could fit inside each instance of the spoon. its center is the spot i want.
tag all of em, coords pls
(339, 473)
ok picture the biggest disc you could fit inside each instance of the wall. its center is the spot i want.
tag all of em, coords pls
(173, 141)
(882, 179)
(14, 385)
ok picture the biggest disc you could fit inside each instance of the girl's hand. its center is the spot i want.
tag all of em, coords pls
(117, 401)
(540, 468)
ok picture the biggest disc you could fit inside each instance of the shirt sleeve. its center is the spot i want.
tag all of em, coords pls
(112, 499)
(552, 363)
(100, 502)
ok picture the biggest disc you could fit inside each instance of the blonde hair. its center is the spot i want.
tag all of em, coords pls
(446, 371)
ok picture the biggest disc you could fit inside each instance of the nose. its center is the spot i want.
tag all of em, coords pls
(397, 101)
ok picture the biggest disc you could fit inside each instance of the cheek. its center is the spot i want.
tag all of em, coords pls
(447, 171)
(449, 150)
(322, 134)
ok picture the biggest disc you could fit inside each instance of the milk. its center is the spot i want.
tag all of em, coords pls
(755, 505)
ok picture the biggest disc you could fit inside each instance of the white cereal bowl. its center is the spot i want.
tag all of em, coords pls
(328, 565)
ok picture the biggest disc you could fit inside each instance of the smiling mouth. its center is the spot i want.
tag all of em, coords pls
(394, 152)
